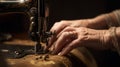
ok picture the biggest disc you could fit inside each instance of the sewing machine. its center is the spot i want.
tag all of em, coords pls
(38, 18)
(35, 56)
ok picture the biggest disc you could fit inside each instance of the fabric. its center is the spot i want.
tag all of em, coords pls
(112, 29)
(117, 14)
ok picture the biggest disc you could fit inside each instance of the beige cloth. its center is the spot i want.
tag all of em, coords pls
(113, 24)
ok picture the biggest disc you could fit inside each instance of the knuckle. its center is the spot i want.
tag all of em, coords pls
(56, 23)
(82, 28)
(68, 27)
(83, 39)
(54, 26)
(65, 34)
(63, 22)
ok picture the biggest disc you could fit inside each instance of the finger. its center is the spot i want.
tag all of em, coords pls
(69, 47)
(72, 35)
(52, 39)
(57, 27)
(65, 39)
(60, 43)
(52, 48)
(67, 29)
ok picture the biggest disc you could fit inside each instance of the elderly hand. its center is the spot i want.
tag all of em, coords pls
(72, 37)
(59, 26)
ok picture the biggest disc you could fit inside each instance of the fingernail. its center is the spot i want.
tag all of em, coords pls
(51, 48)
(59, 53)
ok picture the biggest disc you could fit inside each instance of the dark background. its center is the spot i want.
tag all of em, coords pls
(70, 10)
(80, 9)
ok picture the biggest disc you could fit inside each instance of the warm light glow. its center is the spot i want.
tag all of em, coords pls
(21, 1)
(13, 1)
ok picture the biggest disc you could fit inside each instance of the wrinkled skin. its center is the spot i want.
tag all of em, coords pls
(59, 26)
(62, 43)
